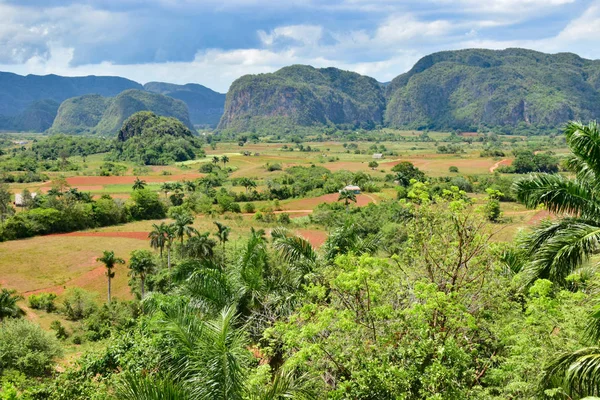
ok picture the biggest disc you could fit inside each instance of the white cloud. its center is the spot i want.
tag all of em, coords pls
(309, 35)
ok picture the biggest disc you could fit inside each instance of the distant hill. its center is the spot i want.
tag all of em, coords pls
(305, 96)
(30, 102)
(513, 88)
(205, 105)
(151, 139)
(105, 116)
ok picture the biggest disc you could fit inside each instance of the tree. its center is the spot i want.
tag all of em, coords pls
(406, 171)
(169, 236)
(373, 164)
(166, 188)
(347, 196)
(248, 183)
(6, 209)
(140, 266)
(158, 237)
(110, 261)
(556, 248)
(224, 160)
(182, 225)
(139, 184)
(8, 304)
(200, 246)
(216, 160)
(223, 235)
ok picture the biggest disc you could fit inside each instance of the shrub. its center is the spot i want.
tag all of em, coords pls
(274, 167)
(249, 208)
(27, 348)
(42, 301)
(78, 304)
(284, 218)
(453, 169)
(61, 331)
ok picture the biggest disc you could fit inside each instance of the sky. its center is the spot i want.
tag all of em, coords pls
(213, 42)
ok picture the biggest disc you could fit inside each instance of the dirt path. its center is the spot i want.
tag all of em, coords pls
(505, 161)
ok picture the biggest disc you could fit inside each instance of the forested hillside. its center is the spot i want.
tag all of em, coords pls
(305, 96)
(105, 116)
(513, 88)
(30, 102)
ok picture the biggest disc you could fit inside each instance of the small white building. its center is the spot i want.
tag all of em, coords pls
(351, 188)
(19, 199)
(377, 156)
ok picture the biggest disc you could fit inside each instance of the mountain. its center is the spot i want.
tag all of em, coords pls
(305, 96)
(205, 105)
(512, 88)
(105, 115)
(31, 102)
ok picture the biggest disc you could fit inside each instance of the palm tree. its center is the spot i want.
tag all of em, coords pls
(110, 261)
(139, 184)
(248, 183)
(140, 266)
(556, 248)
(216, 160)
(166, 188)
(182, 225)
(8, 304)
(190, 186)
(169, 236)
(224, 160)
(347, 196)
(158, 238)
(223, 235)
(295, 250)
(200, 246)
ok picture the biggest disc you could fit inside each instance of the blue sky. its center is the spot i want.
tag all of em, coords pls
(213, 42)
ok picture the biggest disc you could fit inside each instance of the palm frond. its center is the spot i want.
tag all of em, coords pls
(294, 249)
(557, 248)
(558, 194)
(584, 142)
(578, 372)
(138, 387)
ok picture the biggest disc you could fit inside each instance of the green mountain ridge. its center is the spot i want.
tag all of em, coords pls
(512, 88)
(303, 95)
(29, 103)
(104, 116)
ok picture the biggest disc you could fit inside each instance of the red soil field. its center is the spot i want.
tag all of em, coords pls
(306, 204)
(315, 237)
(129, 235)
(87, 181)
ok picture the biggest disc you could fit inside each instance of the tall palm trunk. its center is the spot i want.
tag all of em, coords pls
(143, 285)
(109, 289)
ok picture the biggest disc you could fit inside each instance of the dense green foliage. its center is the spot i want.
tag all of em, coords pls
(302, 95)
(105, 116)
(511, 90)
(205, 105)
(30, 103)
(62, 146)
(149, 139)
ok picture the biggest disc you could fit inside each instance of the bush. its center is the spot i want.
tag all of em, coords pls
(249, 208)
(78, 304)
(42, 301)
(453, 169)
(284, 218)
(61, 331)
(274, 167)
(27, 348)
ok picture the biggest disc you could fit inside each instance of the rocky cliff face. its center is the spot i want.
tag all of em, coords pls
(468, 89)
(305, 96)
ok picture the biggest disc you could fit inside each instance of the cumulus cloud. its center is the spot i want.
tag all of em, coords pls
(214, 42)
